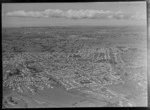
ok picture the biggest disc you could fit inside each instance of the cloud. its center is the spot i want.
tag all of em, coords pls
(139, 16)
(22, 13)
(76, 14)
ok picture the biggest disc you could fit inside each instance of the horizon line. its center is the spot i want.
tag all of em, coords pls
(74, 26)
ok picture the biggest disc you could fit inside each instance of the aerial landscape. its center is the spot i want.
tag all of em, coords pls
(94, 58)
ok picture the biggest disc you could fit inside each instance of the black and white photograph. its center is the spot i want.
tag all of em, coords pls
(74, 55)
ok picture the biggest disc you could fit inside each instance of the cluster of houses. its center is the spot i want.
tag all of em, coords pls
(73, 80)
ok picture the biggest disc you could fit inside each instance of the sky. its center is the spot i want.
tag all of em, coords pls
(68, 14)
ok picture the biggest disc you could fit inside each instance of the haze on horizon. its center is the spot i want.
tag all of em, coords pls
(70, 14)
